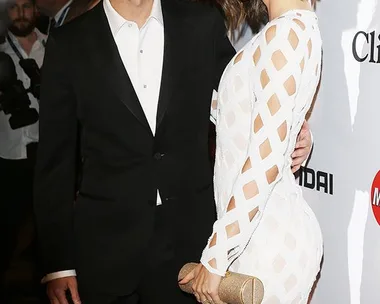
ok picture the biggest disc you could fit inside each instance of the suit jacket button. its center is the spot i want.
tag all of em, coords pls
(158, 156)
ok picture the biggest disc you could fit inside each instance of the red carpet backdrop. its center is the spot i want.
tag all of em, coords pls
(341, 181)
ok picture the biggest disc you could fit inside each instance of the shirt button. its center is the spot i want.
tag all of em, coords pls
(141, 51)
(145, 86)
(129, 25)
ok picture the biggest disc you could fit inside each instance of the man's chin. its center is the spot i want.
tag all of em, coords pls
(21, 32)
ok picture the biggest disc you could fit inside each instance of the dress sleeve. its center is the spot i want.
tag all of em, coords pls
(279, 56)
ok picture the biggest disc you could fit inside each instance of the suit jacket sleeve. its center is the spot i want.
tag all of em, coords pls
(56, 159)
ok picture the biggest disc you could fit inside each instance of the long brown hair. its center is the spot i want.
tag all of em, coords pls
(253, 12)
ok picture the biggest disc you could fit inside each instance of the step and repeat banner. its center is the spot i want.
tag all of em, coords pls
(341, 181)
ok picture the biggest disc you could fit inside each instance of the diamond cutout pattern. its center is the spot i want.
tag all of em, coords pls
(238, 57)
(232, 229)
(247, 165)
(290, 241)
(279, 60)
(279, 263)
(282, 131)
(264, 79)
(293, 39)
(274, 105)
(257, 55)
(231, 205)
(291, 282)
(250, 190)
(265, 149)
(258, 124)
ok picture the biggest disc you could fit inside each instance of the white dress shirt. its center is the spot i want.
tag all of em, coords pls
(60, 16)
(13, 142)
(141, 50)
(62, 13)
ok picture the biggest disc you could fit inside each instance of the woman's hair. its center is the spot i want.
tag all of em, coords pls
(253, 12)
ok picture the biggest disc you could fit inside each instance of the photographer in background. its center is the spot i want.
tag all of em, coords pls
(18, 141)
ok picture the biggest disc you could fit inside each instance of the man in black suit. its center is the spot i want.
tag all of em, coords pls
(140, 89)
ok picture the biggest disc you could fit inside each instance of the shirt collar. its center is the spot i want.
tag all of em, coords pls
(40, 37)
(116, 21)
(58, 15)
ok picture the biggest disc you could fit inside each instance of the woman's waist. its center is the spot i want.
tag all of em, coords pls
(288, 198)
(287, 184)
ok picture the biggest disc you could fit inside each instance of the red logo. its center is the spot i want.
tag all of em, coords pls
(375, 197)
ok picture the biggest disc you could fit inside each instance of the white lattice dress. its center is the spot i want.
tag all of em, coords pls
(264, 226)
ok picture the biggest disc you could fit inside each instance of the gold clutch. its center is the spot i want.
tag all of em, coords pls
(235, 288)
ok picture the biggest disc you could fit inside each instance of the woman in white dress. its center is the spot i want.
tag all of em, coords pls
(264, 228)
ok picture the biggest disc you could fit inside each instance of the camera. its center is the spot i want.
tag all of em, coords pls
(14, 99)
(31, 69)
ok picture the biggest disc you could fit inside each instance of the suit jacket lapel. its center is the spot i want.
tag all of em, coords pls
(106, 56)
(174, 35)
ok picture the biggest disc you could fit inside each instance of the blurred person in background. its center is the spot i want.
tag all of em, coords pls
(3, 18)
(18, 146)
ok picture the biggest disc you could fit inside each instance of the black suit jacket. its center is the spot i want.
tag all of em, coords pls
(114, 228)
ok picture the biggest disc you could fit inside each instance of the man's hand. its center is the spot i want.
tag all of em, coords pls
(56, 290)
(303, 147)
